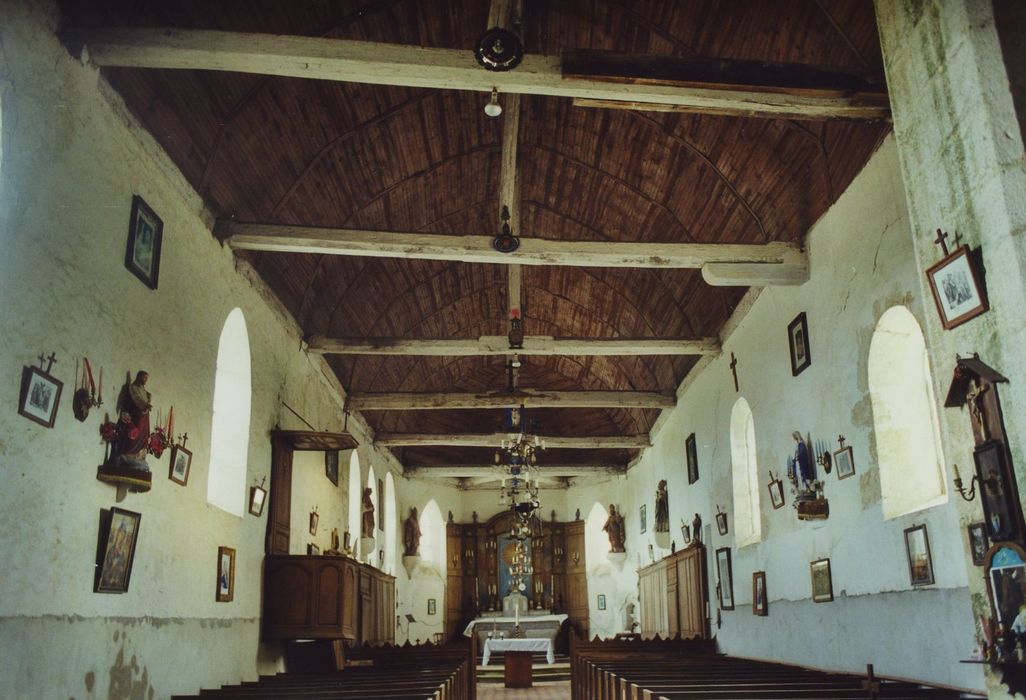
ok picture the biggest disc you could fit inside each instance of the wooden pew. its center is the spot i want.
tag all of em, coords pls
(677, 669)
(442, 672)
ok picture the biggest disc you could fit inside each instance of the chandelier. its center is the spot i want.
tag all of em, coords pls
(518, 460)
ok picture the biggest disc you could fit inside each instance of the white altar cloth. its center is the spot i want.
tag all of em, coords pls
(509, 644)
(558, 619)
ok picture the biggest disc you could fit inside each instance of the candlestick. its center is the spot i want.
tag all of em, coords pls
(957, 476)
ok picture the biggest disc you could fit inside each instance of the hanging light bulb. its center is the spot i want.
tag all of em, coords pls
(493, 108)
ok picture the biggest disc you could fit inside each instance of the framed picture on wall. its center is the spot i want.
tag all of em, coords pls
(798, 340)
(822, 583)
(315, 518)
(644, 518)
(776, 490)
(115, 552)
(726, 578)
(977, 542)
(181, 464)
(957, 289)
(844, 463)
(685, 532)
(721, 522)
(225, 574)
(145, 231)
(331, 466)
(998, 506)
(917, 547)
(257, 496)
(760, 606)
(601, 601)
(40, 396)
(691, 451)
(313, 550)
(432, 606)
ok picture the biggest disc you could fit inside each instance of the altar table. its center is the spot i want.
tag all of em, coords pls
(530, 646)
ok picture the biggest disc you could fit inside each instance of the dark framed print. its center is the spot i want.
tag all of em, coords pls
(40, 396)
(844, 463)
(798, 339)
(721, 522)
(315, 518)
(917, 547)
(726, 578)
(776, 490)
(822, 583)
(432, 606)
(601, 601)
(115, 552)
(760, 606)
(257, 496)
(225, 574)
(145, 232)
(995, 493)
(1005, 564)
(957, 289)
(644, 519)
(181, 465)
(331, 466)
(977, 542)
(685, 533)
(313, 550)
(691, 450)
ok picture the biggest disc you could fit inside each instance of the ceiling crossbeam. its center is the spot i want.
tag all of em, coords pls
(736, 264)
(529, 398)
(545, 471)
(604, 442)
(499, 345)
(455, 69)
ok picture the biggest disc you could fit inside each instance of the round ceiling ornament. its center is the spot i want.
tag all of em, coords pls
(499, 50)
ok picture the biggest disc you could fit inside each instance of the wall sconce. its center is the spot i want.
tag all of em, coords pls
(961, 489)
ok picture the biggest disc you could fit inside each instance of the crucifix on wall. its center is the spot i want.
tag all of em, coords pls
(733, 370)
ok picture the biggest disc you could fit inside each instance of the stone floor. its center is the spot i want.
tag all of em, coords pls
(555, 691)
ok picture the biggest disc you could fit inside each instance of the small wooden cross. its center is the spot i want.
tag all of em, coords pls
(840, 441)
(733, 369)
(182, 439)
(939, 240)
(42, 358)
(51, 359)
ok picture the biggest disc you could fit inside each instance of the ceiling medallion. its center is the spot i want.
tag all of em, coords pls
(499, 50)
(505, 242)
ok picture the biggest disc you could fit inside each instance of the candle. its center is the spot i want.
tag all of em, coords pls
(957, 476)
(100, 396)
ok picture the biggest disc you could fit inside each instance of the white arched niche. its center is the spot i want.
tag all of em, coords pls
(744, 475)
(355, 493)
(229, 429)
(596, 541)
(905, 424)
(391, 519)
(432, 537)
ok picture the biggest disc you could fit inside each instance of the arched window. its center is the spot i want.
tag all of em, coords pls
(390, 524)
(596, 541)
(745, 475)
(432, 536)
(229, 430)
(355, 494)
(908, 447)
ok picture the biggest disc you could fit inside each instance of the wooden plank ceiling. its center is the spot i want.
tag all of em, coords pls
(291, 151)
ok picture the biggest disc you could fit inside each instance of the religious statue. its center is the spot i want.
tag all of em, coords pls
(450, 516)
(367, 524)
(662, 508)
(799, 469)
(696, 529)
(130, 439)
(411, 535)
(614, 527)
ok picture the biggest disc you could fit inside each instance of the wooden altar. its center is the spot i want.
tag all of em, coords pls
(472, 582)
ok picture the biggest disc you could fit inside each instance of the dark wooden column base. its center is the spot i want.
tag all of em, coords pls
(518, 672)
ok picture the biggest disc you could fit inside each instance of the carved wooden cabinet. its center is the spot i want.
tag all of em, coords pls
(320, 597)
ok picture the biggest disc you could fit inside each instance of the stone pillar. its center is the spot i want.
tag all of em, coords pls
(962, 162)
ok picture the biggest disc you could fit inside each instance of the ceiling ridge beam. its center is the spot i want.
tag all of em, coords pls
(499, 345)
(736, 264)
(618, 442)
(533, 398)
(380, 63)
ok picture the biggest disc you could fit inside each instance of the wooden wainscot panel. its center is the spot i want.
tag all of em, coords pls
(329, 596)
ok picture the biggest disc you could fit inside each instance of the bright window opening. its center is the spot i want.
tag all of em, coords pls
(745, 475)
(229, 431)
